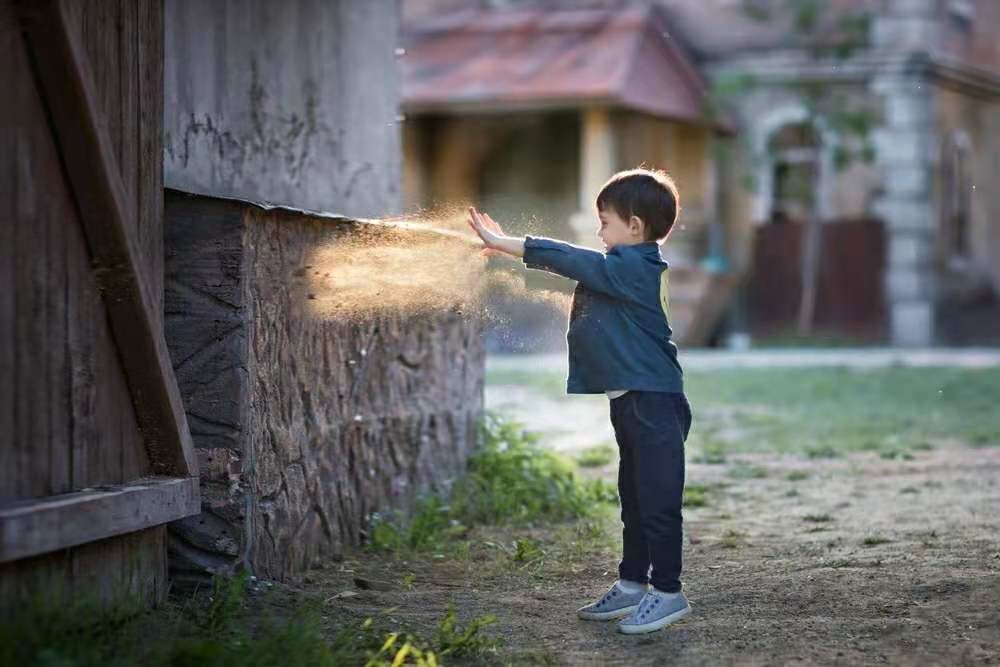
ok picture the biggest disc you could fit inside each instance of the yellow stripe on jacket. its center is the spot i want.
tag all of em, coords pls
(665, 293)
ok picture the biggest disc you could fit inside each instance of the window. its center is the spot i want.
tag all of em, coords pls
(795, 164)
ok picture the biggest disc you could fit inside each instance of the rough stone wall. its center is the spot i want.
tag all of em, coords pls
(293, 102)
(305, 423)
(346, 417)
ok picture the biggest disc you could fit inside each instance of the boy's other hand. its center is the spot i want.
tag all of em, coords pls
(491, 233)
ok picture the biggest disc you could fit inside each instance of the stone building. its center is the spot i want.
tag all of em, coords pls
(842, 111)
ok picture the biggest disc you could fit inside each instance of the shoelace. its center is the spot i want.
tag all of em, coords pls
(607, 597)
(648, 604)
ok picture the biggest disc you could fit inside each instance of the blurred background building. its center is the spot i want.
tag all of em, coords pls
(828, 153)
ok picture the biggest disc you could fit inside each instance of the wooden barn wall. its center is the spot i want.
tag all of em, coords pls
(300, 436)
(66, 416)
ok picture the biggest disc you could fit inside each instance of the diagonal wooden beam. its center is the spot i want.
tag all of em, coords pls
(42, 525)
(89, 161)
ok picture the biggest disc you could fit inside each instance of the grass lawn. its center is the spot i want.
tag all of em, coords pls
(824, 412)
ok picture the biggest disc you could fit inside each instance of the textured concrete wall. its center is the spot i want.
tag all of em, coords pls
(293, 102)
(305, 424)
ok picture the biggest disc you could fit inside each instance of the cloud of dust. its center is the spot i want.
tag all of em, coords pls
(413, 265)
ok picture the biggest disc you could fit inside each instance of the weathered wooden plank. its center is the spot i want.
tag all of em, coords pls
(8, 357)
(90, 163)
(134, 563)
(32, 527)
(30, 292)
(149, 58)
(60, 436)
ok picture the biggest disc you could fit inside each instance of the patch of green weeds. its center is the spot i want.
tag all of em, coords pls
(710, 451)
(909, 489)
(453, 641)
(797, 475)
(596, 457)
(875, 540)
(984, 439)
(509, 479)
(696, 495)
(792, 493)
(821, 451)
(222, 627)
(817, 518)
(895, 454)
(747, 472)
(370, 646)
(527, 550)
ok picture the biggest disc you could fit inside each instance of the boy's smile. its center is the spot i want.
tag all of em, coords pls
(614, 231)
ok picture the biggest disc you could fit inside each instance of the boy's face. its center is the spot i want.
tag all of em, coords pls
(614, 231)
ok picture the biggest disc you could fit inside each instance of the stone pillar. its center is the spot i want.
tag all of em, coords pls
(905, 153)
(597, 164)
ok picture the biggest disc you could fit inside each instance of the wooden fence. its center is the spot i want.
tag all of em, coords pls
(96, 455)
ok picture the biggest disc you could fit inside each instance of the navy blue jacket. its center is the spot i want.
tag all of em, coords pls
(618, 336)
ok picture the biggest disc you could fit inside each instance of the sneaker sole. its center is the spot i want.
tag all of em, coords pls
(653, 626)
(606, 615)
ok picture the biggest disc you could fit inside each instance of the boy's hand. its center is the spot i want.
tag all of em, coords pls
(494, 239)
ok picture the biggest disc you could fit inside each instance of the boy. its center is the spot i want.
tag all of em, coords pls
(619, 343)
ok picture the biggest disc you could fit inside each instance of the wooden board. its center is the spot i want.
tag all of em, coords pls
(91, 161)
(33, 527)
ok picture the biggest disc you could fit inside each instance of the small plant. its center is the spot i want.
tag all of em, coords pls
(227, 599)
(453, 641)
(875, 540)
(695, 495)
(732, 539)
(817, 518)
(510, 478)
(527, 550)
(821, 452)
(712, 452)
(896, 455)
(797, 475)
(909, 489)
(596, 457)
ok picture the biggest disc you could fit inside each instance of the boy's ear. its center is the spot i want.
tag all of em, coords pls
(635, 224)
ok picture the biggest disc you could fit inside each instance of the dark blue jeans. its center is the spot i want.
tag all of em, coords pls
(651, 428)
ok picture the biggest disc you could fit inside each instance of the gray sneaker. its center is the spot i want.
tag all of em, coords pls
(656, 610)
(613, 604)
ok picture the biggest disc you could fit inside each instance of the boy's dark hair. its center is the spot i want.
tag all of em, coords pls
(649, 194)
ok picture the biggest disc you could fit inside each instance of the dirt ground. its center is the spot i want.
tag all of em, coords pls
(857, 559)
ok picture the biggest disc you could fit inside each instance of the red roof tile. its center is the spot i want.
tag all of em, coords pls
(530, 58)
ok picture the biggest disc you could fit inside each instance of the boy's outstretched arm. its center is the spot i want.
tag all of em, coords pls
(591, 268)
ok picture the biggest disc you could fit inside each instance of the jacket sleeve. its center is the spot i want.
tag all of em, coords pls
(608, 274)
